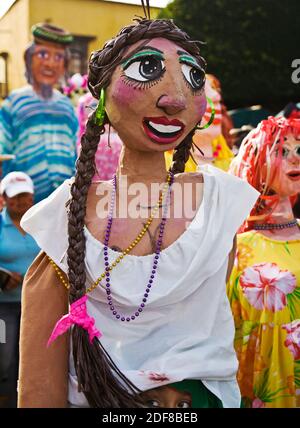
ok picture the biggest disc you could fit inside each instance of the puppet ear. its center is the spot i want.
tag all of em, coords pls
(146, 8)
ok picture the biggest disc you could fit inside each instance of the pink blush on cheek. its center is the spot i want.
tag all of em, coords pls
(200, 105)
(124, 94)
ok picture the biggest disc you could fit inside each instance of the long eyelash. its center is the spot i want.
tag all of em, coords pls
(194, 90)
(141, 85)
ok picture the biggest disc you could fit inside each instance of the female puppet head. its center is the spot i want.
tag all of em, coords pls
(269, 159)
(153, 78)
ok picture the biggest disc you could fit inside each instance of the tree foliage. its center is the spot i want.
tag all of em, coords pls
(250, 46)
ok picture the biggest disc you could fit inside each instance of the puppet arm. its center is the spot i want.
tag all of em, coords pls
(43, 372)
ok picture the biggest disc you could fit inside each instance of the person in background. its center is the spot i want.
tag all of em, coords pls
(39, 124)
(17, 251)
(3, 158)
(181, 395)
(264, 286)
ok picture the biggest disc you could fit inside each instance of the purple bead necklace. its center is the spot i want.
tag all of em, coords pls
(141, 307)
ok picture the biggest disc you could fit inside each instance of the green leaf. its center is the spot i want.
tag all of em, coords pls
(286, 246)
(235, 294)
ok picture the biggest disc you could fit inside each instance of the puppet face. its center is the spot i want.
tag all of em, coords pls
(156, 96)
(287, 176)
(167, 397)
(48, 64)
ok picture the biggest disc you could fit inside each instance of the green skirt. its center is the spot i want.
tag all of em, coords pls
(202, 397)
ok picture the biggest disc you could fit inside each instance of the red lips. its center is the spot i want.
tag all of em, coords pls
(294, 175)
(160, 135)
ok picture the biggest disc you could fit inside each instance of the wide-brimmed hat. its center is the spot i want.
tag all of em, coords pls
(51, 33)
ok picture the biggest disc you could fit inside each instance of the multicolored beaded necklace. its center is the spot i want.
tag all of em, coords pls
(271, 226)
(128, 249)
(139, 310)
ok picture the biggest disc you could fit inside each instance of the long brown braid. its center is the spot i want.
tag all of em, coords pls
(182, 153)
(98, 377)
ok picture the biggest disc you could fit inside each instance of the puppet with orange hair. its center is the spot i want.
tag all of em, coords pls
(264, 287)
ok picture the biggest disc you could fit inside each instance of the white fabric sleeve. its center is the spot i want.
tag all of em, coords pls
(47, 223)
(233, 198)
(228, 202)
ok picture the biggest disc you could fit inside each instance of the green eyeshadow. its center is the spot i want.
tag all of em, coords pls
(188, 59)
(142, 54)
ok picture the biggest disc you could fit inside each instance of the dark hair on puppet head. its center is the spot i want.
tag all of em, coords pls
(98, 378)
(103, 62)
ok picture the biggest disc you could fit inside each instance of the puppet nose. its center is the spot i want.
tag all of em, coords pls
(171, 104)
(294, 158)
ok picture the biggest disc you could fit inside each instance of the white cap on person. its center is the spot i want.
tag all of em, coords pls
(15, 183)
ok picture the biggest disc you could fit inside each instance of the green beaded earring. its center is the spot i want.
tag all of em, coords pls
(213, 112)
(100, 111)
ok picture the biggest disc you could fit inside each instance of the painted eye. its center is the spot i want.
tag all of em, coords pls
(43, 55)
(297, 150)
(145, 69)
(285, 152)
(58, 57)
(195, 76)
(184, 404)
(152, 403)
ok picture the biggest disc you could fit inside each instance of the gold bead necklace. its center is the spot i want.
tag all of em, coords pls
(125, 252)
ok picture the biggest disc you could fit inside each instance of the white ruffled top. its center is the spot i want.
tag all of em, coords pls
(186, 330)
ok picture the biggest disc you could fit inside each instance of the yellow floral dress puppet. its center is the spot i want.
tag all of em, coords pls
(264, 287)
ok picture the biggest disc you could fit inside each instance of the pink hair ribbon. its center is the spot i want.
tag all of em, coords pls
(77, 315)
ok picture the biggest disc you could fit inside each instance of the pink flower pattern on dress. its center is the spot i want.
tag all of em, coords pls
(292, 341)
(258, 404)
(266, 286)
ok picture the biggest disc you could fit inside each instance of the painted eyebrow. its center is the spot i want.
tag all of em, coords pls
(184, 56)
(139, 52)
